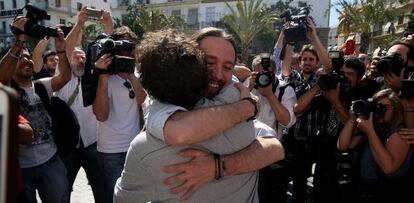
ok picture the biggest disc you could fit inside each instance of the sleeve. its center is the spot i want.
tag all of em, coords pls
(22, 120)
(158, 114)
(47, 82)
(276, 54)
(289, 100)
(263, 130)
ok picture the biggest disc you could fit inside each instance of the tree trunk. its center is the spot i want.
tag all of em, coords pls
(245, 54)
(363, 47)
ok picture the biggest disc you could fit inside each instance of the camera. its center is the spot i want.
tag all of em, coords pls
(393, 63)
(363, 107)
(407, 88)
(337, 58)
(266, 77)
(297, 32)
(94, 14)
(32, 27)
(330, 81)
(104, 44)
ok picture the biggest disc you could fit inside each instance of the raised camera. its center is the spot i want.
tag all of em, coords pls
(94, 14)
(330, 81)
(407, 88)
(296, 32)
(391, 63)
(266, 77)
(337, 58)
(363, 107)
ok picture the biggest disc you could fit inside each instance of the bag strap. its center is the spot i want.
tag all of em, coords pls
(74, 94)
(41, 91)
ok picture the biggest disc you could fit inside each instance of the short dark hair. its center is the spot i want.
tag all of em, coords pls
(215, 32)
(410, 54)
(172, 69)
(309, 48)
(47, 54)
(356, 64)
(124, 32)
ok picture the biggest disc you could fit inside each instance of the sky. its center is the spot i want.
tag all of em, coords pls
(333, 18)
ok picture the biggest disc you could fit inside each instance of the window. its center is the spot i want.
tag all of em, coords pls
(62, 21)
(176, 13)
(210, 12)
(79, 6)
(192, 18)
(57, 3)
(105, 0)
(3, 27)
(1, 5)
(14, 4)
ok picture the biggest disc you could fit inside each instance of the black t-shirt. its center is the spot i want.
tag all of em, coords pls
(43, 73)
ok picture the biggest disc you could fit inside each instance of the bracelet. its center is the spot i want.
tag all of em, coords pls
(254, 102)
(60, 52)
(17, 57)
(100, 71)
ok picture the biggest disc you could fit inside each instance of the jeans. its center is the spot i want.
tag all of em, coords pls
(112, 165)
(49, 179)
(88, 159)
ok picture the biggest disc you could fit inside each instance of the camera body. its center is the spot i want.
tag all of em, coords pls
(266, 77)
(35, 15)
(330, 81)
(393, 63)
(94, 14)
(297, 32)
(120, 64)
(337, 58)
(363, 107)
(407, 88)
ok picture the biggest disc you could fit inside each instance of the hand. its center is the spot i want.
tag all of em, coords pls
(266, 91)
(407, 134)
(244, 91)
(19, 23)
(394, 81)
(83, 16)
(60, 40)
(311, 29)
(193, 174)
(332, 95)
(365, 125)
(104, 61)
(106, 19)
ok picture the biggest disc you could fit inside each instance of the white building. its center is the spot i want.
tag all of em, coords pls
(333, 38)
(61, 11)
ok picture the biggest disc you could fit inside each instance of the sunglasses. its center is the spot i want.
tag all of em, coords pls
(131, 91)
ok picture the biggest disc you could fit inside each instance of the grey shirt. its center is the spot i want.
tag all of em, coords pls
(142, 178)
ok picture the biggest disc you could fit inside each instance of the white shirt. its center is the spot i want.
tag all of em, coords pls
(86, 117)
(116, 133)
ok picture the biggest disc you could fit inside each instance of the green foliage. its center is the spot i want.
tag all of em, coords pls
(91, 32)
(247, 20)
(142, 19)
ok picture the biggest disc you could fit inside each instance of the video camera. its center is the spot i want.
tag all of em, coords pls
(297, 32)
(104, 44)
(363, 107)
(394, 63)
(32, 27)
(266, 77)
(407, 88)
(330, 81)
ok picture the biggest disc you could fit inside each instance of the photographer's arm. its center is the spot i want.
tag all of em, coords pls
(183, 128)
(287, 61)
(138, 89)
(346, 139)
(74, 36)
(60, 80)
(281, 113)
(101, 103)
(37, 54)
(320, 49)
(304, 102)
(107, 22)
(9, 61)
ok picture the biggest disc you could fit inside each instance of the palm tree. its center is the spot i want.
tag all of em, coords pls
(141, 19)
(247, 21)
(360, 16)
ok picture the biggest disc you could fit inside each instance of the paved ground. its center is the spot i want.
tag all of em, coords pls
(82, 192)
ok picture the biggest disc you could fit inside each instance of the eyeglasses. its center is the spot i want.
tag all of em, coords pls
(131, 91)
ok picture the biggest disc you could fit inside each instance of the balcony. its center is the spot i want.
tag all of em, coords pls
(62, 8)
(124, 3)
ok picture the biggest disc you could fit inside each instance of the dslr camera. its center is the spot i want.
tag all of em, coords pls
(266, 77)
(330, 81)
(363, 107)
(297, 32)
(104, 44)
(32, 27)
(393, 63)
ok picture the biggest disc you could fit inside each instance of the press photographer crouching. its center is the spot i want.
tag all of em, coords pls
(381, 156)
(119, 96)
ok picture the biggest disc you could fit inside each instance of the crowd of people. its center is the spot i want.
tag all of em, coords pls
(192, 124)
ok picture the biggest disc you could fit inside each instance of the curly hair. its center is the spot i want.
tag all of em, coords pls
(172, 69)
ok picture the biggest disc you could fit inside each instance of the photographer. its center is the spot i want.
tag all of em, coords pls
(276, 102)
(381, 155)
(45, 63)
(117, 108)
(42, 168)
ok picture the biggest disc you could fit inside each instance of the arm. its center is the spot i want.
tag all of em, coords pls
(60, 80)
(389, 157)
(287, 61)
(281, 113)
(107, 22)
(37, 54)
(201, 169)
(9, 61)
(320, 49)
(75, 34)
(346, 139)
(138, 89)
(190, 127)
(277, 51)
(101, 103)
(304, 102)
